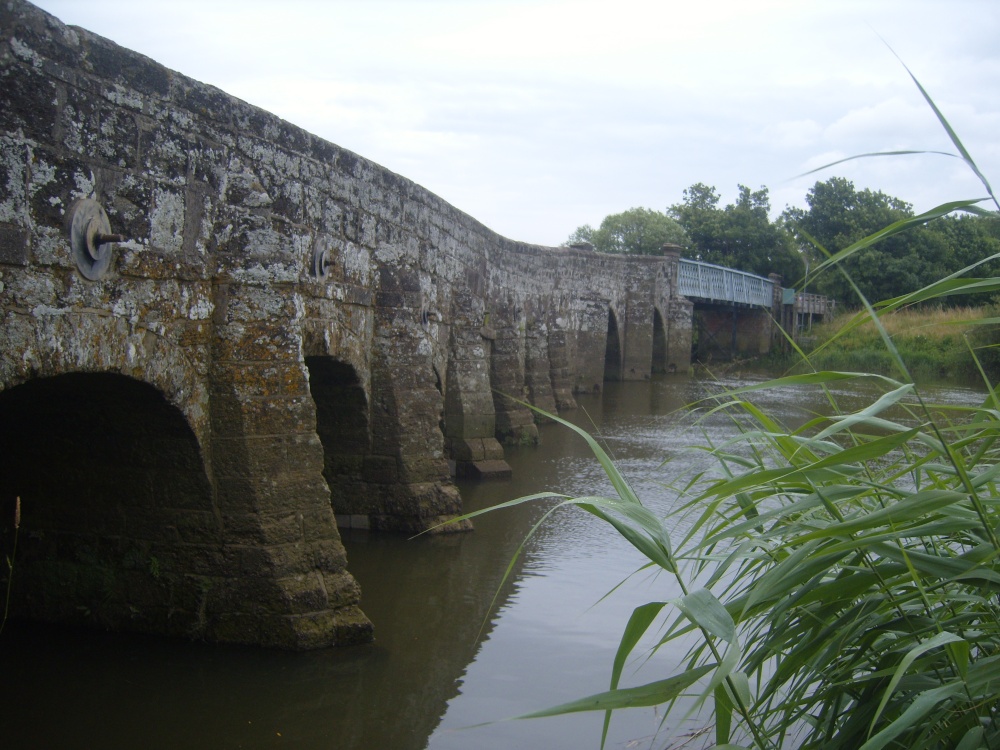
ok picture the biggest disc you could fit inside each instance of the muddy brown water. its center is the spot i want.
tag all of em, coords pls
(457, 649)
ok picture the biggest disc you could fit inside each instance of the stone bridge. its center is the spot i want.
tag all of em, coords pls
(223, 335)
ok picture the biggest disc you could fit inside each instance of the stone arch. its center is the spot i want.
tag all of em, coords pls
(613, 349)
(118, 527)
(51, 345)
(344, 429)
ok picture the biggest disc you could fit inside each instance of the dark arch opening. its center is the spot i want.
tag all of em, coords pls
(342, 426)
(613, 350)
(659, 365)
(116, 507)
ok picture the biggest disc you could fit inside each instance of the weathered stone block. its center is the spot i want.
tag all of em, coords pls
(467, 426)
(206, 101)
(58, 182)
(328, 555)
(241, 492)
(28, 103)
(380, 469)
(343, 466)
(465, 450)
(259, 379)
(316, 629)
(240, 628)
(93, 127)
(222, 596)
(419, 467)
(273, 561)
(304, 593)
(129, 209)
(255, 341)
(192, 559)
(130, 69)
(277, 415)
(282, 528)
(13, 246)
(493, 469)
(242, 528)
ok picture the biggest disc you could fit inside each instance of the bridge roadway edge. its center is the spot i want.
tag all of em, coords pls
(338, 340)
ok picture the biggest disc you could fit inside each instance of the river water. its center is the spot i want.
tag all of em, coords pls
(458, 650)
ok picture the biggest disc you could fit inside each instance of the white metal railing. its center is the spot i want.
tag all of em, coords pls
(718, 284)
(814, 304)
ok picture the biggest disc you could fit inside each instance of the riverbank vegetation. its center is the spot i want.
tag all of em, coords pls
(936, 343)
(841, 578)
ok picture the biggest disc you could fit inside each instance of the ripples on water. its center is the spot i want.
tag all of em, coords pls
(443, 659)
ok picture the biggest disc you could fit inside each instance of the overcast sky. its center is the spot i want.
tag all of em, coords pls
(537, 116)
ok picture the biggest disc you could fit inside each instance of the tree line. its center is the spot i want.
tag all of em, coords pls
(742, 235)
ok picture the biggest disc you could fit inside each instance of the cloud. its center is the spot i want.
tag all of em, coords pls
(536, 116)
(893, 123)
(793, 134)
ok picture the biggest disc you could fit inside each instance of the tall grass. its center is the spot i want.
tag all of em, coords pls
(842, 578)
(933, 342)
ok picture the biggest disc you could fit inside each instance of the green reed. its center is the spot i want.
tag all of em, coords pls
(842, 578)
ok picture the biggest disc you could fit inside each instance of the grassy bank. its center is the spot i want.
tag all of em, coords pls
(933, 341)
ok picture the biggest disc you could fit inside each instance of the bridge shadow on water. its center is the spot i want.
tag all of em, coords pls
(428, 597)
(70, 688)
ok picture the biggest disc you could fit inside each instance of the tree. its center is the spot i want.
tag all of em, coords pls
(638, 231)
(581, 234)
(840, 215)
(741, 235)
(970, 239)
(701, 218)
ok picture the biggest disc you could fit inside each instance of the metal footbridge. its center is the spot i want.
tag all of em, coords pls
(708, 283)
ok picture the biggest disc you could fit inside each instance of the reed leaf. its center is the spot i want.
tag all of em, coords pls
(652, 694)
